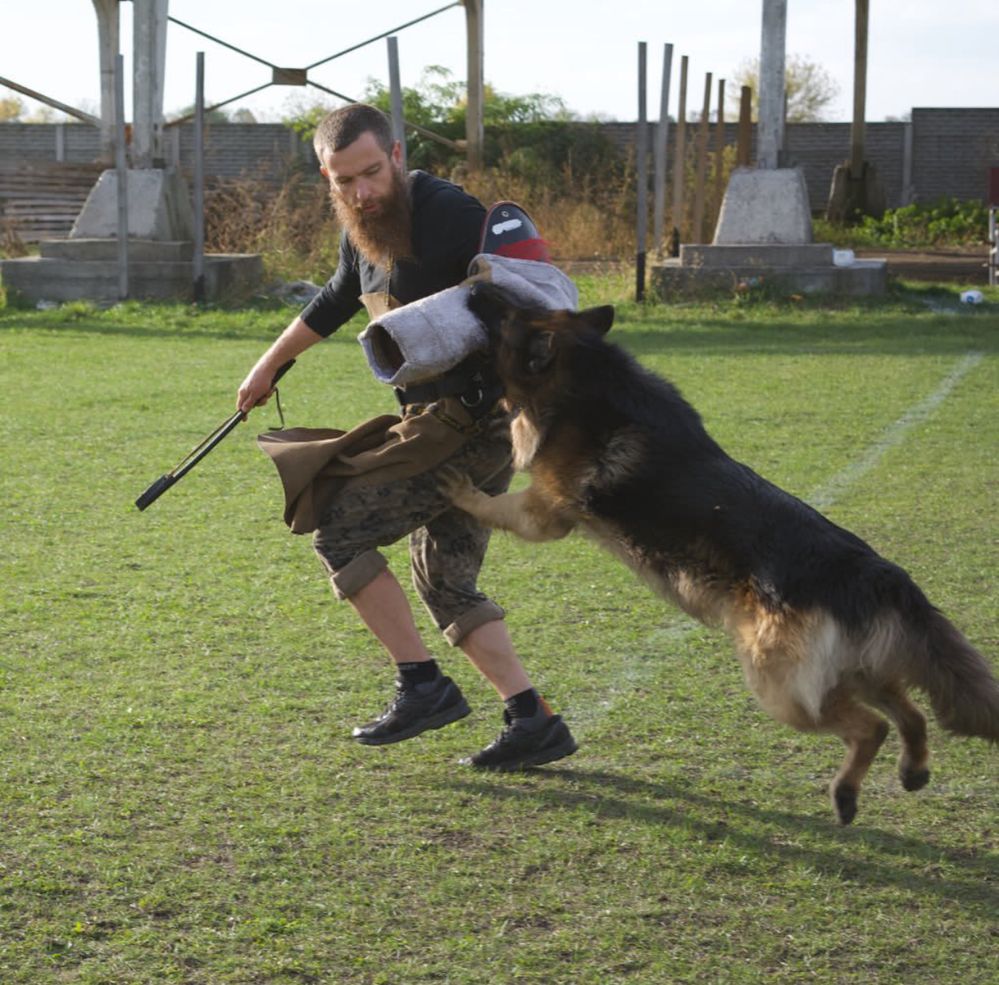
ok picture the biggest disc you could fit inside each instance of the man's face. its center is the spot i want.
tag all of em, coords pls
(362, 175)
(370, 196)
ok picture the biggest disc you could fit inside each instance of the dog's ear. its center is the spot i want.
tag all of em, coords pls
(540, 352)
(599, 319)
(489, 304)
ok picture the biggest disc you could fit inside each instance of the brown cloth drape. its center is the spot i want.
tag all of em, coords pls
(315, 463)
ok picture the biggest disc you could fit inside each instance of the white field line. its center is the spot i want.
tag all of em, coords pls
(643, 672)
(894, 435)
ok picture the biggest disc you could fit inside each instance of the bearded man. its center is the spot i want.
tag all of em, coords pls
(406, 237)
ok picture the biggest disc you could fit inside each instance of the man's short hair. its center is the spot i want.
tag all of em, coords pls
(343, 126)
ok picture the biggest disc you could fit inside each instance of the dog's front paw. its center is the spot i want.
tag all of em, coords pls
(457, 487)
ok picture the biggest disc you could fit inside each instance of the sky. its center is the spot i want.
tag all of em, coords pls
(922, 53)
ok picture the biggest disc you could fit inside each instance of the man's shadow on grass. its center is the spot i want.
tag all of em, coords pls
(847, 856)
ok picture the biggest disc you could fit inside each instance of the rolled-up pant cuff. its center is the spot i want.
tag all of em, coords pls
(475, 617)
(354, 575)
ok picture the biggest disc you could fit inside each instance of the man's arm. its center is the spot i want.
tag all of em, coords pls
(335, 304)
(290, 344)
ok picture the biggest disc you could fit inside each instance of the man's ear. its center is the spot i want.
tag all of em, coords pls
(599, 319)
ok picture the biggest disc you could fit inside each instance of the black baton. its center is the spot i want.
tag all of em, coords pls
(164, 482)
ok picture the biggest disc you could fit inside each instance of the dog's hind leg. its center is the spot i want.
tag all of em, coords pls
(912, 764)
(863, 732)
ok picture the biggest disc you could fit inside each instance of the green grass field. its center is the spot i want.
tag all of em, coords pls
(180, 800)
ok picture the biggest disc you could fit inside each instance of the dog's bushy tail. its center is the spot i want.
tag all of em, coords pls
(960, 684)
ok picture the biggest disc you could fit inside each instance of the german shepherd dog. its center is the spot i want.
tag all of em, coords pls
(828, 632)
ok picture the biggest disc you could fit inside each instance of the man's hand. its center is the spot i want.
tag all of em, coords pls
(256, 389)
(259, 383)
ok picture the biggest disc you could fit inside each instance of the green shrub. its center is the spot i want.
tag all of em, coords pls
(948, 222)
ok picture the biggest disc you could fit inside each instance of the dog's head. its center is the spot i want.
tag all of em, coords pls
(527, 343)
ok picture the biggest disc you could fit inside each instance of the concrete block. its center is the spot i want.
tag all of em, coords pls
(764, 255)
(863, 278)
(765, 206)
(228, 277)
(159, 207)
(107, 249)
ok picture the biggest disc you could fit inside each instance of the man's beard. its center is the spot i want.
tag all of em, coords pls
(386, 235)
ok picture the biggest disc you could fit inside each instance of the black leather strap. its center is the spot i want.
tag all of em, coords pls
(473, 381)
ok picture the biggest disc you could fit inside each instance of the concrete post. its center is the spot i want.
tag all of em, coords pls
(770, 132)
(395, 92)
(148, 69)
(121, 174)
(642, 169)
(474, 132)
(108, 40)
(198, 259)
(662, 141)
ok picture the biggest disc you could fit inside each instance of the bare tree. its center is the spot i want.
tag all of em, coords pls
(809, 88)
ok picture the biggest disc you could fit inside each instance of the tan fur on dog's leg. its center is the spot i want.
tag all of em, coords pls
(911, 723)
(525, 513)
(863, 732)
(460, 489)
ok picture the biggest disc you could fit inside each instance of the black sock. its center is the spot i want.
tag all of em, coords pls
(418, 672)
(528, 706)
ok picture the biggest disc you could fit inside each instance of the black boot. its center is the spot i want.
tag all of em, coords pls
(519, 747)
(415, 708)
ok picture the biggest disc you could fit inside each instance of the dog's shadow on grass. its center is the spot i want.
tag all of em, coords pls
(853, 855)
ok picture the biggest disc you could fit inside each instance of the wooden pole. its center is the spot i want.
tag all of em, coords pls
(474, 131)
(907, 190)
(859, 90)
(744, 151)
(697, 223)
(680, 153)
(662, 140)
(993, 246)
(642, 168)
(198, 265)
(395, 94)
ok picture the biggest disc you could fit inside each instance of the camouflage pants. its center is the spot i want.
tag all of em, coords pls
(446, 545)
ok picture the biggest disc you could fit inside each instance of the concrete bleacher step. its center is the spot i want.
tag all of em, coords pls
(41, 201)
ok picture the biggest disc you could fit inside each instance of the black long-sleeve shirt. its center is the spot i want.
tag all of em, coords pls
(447, 230)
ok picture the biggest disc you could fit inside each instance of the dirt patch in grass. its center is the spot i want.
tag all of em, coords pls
(969, 267)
